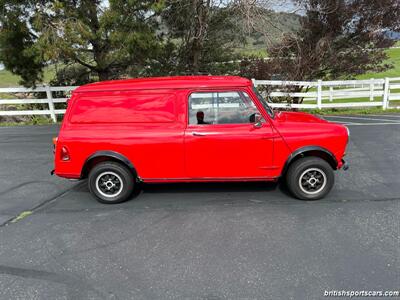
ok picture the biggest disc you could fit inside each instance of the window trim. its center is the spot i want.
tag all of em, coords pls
(269, 111)
(224, 90)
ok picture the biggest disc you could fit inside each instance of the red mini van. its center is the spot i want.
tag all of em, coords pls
(193, 128)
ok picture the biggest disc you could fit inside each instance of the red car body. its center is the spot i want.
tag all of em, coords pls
(144, 124)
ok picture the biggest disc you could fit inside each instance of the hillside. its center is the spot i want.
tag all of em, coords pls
(271, 31)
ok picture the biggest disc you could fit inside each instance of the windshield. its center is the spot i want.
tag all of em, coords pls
(264, 103)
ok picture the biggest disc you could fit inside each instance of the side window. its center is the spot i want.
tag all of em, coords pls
(221, 108)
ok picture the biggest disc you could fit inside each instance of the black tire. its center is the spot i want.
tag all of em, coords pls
(111, 182)
(316, 175)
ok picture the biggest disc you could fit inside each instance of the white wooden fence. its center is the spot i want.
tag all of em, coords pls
(48, 102)
(321, 95)
(336, 94)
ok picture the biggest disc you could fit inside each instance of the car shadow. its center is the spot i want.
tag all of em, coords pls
(202, 187)
(207, 187)
(186, 195)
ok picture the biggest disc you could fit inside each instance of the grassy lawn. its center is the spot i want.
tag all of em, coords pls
(351, 111)
(7, 79)
(394, 58)
(34, 120)
(343, 100)
(393, 103)
(257, 52)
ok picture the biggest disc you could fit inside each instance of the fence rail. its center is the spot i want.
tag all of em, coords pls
(48, 102)
(335, 94)
(317, 95)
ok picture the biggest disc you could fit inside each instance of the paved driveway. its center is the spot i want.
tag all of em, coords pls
(200, 241)
(25, 164)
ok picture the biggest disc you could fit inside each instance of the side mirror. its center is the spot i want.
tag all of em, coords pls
(256, 120)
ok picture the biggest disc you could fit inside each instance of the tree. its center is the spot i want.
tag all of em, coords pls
(337, 39)
(17, 51)
(106, 40)
(204, 32)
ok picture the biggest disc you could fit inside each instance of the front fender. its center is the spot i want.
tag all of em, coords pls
(311, 151)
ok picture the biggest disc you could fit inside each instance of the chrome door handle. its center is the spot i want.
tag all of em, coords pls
(198, 134)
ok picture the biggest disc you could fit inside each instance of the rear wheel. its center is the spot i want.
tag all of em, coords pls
(310, 178)
(111, 182)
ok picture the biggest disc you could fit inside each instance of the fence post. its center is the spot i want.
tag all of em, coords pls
(319, 94)
(371, 90)
(385, 94)
(51, 104)
(331, 93)
(254, 82)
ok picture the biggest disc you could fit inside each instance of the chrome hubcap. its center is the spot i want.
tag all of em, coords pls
(109, 184)
(312, 181)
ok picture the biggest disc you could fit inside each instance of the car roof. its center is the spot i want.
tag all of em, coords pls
(172, 82)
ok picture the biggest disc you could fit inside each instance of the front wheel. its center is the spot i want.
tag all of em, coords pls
(111, 182)
(310, 178)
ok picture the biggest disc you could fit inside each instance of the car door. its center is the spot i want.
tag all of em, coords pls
(222, 140)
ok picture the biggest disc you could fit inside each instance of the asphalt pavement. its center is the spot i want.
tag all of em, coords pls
(200, 241)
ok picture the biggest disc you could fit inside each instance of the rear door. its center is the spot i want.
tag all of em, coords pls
(221, 139)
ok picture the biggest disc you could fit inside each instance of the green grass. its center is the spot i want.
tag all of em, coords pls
(33, 120)
(394, 58)
(351, 111)
(349, 100)
(257, 52)
(7, 79)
